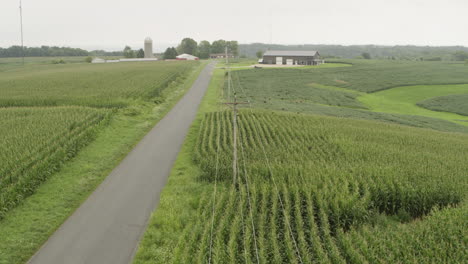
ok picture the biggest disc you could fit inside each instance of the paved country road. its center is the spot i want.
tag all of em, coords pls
(107, 227)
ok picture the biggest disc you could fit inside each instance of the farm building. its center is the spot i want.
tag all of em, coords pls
(285, 57)
(186, 57)
(148, 48)
(221, 55)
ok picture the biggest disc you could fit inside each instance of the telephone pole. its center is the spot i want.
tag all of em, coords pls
(21, 21)
(234, 120)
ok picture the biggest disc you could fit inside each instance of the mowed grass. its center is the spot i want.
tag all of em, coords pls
(96, 85)
(404, 100)
(451, 103)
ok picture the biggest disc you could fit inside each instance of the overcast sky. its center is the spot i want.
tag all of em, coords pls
(111, 24)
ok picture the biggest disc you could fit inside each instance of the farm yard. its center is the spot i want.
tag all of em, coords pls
(64, 127)
(361, 164)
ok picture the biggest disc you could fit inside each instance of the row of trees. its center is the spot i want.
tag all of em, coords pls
(447, 53)
(129, 53)
(43, 51)
(202, 49)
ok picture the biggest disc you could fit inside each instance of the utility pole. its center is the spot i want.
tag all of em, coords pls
(234, 120)
(21, 20)
(228, 72)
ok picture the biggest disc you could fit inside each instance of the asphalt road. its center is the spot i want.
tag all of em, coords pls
(108, 226)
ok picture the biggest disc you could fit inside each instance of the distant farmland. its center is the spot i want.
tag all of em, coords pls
(97, 85)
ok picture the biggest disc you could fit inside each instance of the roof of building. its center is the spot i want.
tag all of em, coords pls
(186, 56)
(148, 40)
(304, 53)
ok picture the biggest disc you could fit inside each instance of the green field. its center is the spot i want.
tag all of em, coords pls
(64, 128)
(457, 104)
(404, 100)
(318, 189)
(317, 184)
(96, 85)
(320, 91)
(36, 141)
(8, 64)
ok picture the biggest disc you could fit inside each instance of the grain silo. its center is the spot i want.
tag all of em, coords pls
(149, 48)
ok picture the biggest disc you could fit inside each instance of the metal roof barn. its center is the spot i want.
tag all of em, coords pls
(292, 57)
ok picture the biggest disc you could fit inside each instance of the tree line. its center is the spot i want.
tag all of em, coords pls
(424, 53)
(43, 51)
(202, 49)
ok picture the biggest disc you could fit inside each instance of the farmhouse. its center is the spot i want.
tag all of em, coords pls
(285, 57)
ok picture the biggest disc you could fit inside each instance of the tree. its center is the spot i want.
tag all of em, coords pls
(140, 53)
(188, 46)
(233, 47)
(259, 54)
(204, 49)
(128, 52)
(218, 46)
(366, 55)
(170, 53)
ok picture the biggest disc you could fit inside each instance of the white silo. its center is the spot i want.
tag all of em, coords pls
(149, 48)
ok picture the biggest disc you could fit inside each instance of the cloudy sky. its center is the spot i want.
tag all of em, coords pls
(111, 24)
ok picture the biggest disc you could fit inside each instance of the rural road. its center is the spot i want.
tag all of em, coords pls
(107, 227)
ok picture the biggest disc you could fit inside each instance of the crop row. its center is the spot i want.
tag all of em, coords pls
(305, 230)
(317, 189)
(103, 85)
(36, 141)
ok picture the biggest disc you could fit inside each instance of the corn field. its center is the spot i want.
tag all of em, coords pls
(100, 85)
(35, 142)
(327, 190)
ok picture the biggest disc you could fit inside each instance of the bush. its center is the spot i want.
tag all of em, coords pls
(61, 61)
(89, 59)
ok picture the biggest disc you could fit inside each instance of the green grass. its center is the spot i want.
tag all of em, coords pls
(26, 227)
(404, 100)
(451, 103)
(178, 206)
(236, 63)
(96, 85)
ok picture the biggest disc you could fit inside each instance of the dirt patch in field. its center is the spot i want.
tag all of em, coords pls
(341, 81)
